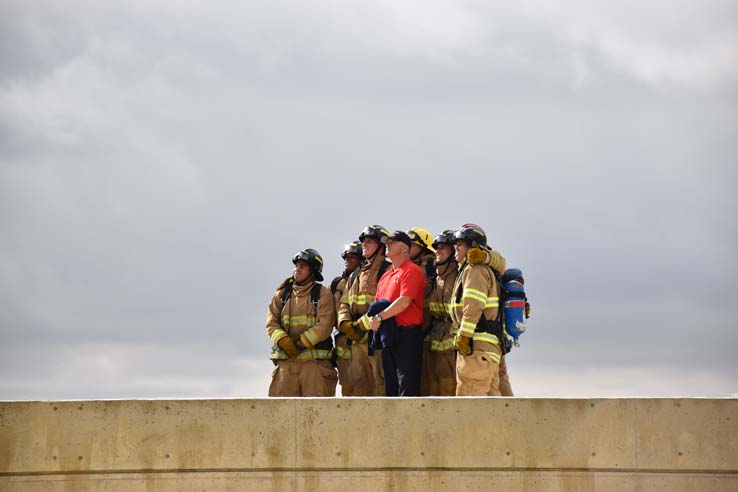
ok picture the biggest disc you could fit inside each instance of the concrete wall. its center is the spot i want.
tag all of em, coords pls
(370, 445)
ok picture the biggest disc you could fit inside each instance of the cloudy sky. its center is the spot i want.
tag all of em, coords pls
(160, 163)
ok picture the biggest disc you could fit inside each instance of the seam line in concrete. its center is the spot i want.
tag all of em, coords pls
(374, 470)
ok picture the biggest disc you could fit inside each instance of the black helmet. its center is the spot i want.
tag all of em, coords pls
(312, 258)
(473, 234)
(376, 231)
(446, 237)
(352, 248)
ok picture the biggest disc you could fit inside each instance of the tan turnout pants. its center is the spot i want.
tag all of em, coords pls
(443, 372)
(366, 372)
(478, 375)
(309, 377)
(344, 368)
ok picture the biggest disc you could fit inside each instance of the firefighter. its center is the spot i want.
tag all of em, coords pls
(352, 258)
(498, 263)
(475, 303)
(300, 318)
(440, 376)
(423, 254)
(366, 371)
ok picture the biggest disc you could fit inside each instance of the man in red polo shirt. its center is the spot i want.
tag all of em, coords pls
(404, 287)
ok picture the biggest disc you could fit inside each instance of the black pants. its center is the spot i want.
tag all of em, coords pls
(401, 362)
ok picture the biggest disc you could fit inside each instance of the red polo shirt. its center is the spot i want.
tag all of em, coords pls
(407, 280)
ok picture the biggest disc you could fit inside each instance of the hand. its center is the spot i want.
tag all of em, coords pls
(463, 344)
(374, 323)
(289, 347)
(351, 330)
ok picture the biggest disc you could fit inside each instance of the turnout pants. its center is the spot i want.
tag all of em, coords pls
(365, 371)
(310, 377)
(443, 372)
(478, 374)
(344, 366)
(402, 362)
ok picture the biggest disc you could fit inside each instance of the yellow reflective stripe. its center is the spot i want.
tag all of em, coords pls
(477, 295)
(441, 308)
(297, 321)
(311, 336)
(495, 357)
(468, 327)
(277, 334)
(360, 299)
(455, 305)
(492, 302)
(442, 345)
(365, 322)
(344, 299)
(343, 352)
(304, 355)
(486, 337)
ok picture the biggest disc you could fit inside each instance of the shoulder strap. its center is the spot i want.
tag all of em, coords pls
(334, 284)
(430, 269)
(382, 269)
(286, 291)
(315, 296)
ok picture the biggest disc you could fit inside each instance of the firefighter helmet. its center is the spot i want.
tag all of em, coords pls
(352, 248)
(446, 237)
(313, 259)
(472, 234)
(422, 238)
(375, 231)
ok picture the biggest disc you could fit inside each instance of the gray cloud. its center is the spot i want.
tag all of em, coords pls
(160, 164)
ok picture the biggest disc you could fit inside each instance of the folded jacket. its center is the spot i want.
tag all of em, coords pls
(385, 336)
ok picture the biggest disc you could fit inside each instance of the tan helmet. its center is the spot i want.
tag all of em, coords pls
(422, 238)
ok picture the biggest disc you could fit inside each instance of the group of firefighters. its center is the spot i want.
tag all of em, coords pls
(462, 344)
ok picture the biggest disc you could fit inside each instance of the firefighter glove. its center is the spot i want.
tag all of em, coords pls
(463, 344)
(476, 255)
(289, 347)
(352, 331)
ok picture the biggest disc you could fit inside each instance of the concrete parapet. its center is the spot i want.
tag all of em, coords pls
(370, 444)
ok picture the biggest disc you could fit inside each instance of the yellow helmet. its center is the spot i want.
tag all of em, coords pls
(422, 238)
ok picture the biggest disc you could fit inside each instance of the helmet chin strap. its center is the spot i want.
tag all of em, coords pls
(307, 279)
(376, 252)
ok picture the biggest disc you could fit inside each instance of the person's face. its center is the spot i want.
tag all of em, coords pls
(395, 249)
(369, 246)
(301, 272)
(415, 250)
(351, 262)
(443, 251)
(461, 248)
